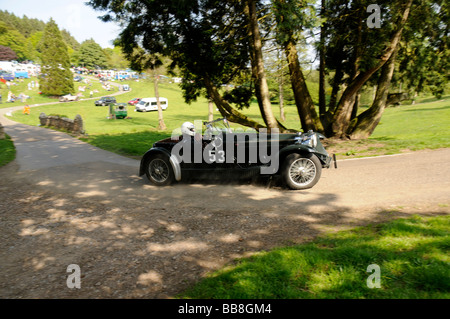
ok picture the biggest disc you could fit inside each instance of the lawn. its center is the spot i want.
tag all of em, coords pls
(7, 151)
(404, 128)
(412, 256)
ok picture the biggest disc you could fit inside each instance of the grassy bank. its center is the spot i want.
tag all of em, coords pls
(403, 129)
(412, 255)
(7, 151)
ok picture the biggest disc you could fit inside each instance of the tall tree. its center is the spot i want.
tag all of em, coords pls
(91, 55)
(207, 40)
(418, 34)
(116, 59)
(291, 18)
(57, 78)
(424, 52)
(258, 66)
(342, 115)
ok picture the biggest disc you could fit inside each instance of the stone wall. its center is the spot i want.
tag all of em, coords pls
(74, 126)
(2, 132)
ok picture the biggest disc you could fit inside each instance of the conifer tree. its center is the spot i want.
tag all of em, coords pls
(57, 79)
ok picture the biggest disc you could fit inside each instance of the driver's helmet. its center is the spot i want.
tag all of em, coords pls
(188, 128)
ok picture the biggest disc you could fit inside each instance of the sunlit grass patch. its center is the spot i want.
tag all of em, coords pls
(412, 255)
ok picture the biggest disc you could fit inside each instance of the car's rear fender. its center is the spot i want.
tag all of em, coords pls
(174, 162)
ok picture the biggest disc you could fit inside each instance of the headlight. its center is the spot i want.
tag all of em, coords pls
(309, 140)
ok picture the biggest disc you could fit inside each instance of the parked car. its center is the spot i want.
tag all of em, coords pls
(105, 100)
(69, 98)
(150, 104)
(298, 158)
(134, 101)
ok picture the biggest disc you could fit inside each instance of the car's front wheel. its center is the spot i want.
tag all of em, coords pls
(159, 170)
(301, 171)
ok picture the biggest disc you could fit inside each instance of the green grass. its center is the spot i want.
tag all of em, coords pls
(7, 151)
(404, 128)
(413, 256)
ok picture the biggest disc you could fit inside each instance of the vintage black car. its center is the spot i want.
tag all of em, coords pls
(298, 158)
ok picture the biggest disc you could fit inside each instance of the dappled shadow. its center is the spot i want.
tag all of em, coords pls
(134, 240)
(336, 267)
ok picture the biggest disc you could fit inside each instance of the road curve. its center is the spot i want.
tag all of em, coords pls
(53, 158)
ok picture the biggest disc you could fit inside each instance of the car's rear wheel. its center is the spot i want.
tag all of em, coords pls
(301, 171)
(159, 170)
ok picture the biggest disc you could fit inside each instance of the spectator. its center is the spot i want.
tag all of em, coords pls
(26, 110)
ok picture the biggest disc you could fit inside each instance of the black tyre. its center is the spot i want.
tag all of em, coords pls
(159, 171)
(301, 171)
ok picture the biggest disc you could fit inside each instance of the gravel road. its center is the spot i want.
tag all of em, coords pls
(65, 202)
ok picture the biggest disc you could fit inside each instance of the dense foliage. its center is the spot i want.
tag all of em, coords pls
(24, 37)
(56, 78)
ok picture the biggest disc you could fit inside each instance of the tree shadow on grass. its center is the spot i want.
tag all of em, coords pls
(335, 266)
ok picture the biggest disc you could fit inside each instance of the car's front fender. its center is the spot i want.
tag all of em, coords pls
(297, 148)
(304, 149)
(174, 162)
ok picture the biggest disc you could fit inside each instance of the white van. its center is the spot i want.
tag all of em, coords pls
(149, 104)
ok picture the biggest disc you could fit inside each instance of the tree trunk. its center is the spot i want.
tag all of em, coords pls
(341, 118)
(305, 106)
(226, 110)
(356, 106)
(210, 110)
(281, 97)
(258, 63)
(338, 75)
(356, 60)
(322, 99)
(367, 121)
(161, 124)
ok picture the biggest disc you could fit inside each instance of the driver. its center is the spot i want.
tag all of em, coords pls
(187, 128)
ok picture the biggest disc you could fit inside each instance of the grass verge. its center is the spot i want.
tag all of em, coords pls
(413, 256)
(7, 151)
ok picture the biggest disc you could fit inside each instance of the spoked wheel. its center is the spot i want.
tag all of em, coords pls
(159, 170)
(301, 171)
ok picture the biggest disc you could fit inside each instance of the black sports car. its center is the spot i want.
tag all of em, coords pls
(297, 157)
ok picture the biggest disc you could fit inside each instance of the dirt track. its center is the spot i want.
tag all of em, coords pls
(75, 204)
